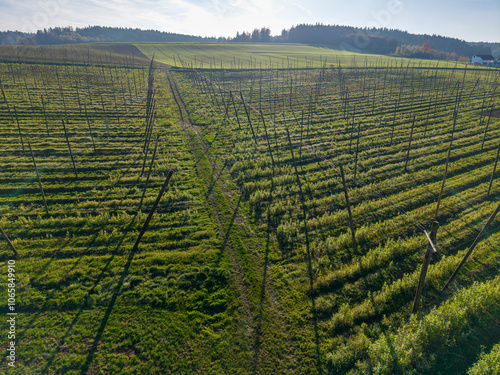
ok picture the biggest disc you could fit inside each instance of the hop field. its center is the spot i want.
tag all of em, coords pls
(291, 236)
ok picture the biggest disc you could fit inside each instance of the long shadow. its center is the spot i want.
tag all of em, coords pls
(205, 149)
(82, 307)
(213, 178)
(104, 321)
(129, 190)
(119, 179)
(260, 317)
(37, 314)
(397, 365)
(228, 232)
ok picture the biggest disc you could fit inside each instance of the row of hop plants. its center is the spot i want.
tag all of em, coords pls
(398, 293)
(400, 283)
(489, 363)
(351, 351)
(424, 155)
(404, 254)
(420, 203)
(399, 183)
(444, 340)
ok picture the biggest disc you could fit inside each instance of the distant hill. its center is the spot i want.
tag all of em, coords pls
(384, 41)
(495, 47)
(69, 35)
(381, 41)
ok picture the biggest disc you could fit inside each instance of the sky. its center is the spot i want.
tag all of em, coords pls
(471, 20)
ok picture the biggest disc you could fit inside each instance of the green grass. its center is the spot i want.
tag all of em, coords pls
(85, 53)
(265, 56)
(220, 283)
(356, 296)
(85, 300)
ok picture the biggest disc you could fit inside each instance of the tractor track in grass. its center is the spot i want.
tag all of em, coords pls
(237, 233)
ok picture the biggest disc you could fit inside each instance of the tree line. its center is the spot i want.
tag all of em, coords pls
(70, 35)
(371, 40)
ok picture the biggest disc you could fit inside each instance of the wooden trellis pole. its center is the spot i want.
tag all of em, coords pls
(19, 129)
(469, 252)
(455, 115)
(487, 125)
(431, 247)
(105, 117)
(494, 169)
(90, 128)
(409, 144)
(16, 254)
(348, 203)
(69, 148)
(45, 116)
(38, 178)
(357, 152)
(248, 117)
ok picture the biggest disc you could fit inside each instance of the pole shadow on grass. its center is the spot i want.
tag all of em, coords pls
(260, 317)
(44, 267)
(119, 179)
(228, 232)
(204, 147)
(214, 178)
(105, 319)
(82, 307)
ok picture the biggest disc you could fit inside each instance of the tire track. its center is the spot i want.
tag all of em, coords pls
(236, 234)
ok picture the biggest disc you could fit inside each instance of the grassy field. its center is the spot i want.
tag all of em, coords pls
(250, 264)
(269, 56)
(391, 130)
(92, 53)
(77, 273)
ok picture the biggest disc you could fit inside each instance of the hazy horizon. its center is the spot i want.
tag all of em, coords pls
(470, 20)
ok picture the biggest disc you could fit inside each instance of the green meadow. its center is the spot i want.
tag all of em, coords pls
(268, 56)
(291, 235)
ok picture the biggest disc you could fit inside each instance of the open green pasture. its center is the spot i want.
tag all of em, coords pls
(250, 264)
(85, 300)
(85, 53)
(391, 130)
(268, 56)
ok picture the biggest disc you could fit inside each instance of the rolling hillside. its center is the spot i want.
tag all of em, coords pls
(247, 209)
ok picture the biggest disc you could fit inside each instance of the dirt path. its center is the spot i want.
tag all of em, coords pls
(187, 125)
(259, 301)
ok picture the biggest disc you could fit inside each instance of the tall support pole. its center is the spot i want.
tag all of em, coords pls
(38, 177)
(409, 145)
(425, 266)
(69, 148)
(351, 221)
(10, 243)
(153, 209)
(469, 252)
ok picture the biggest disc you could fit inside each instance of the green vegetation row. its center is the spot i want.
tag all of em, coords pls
(363, 120)
(249, 264)
(86, 302)
(126, 55)
(270, 56)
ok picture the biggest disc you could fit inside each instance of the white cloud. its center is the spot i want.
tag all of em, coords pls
(208, 17)
(226, 17)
